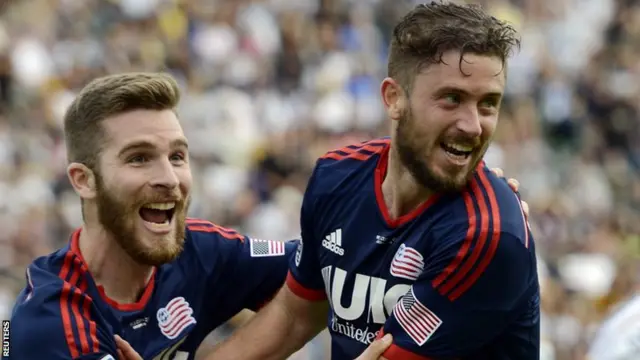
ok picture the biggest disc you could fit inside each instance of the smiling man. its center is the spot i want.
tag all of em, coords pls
(137, 268)
(413, 236)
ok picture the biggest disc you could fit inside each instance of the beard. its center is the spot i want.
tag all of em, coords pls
(119, 216)
(416, 160)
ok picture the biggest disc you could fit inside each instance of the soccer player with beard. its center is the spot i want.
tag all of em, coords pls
(413, 236)
(137, 267)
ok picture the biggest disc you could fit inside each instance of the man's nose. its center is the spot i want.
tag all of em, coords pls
(165, 175)
(469, 123)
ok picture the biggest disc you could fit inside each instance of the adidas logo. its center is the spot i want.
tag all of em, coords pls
(333, 242)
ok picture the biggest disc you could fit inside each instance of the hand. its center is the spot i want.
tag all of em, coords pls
(514, 185)
(375, 350)
(125, 351)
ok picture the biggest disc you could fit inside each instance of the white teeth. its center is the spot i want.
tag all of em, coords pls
(460, 147)
(157, 225)
(161, 206)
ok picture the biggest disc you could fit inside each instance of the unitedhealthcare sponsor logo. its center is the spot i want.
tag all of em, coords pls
(365, 336)
(370, 301)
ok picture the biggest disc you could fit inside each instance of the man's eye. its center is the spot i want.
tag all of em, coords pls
(137, 159)
(489, 103)
(178, 157)
(452, 98)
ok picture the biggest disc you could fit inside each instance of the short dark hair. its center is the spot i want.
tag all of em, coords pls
(430, 30)
(109, 96)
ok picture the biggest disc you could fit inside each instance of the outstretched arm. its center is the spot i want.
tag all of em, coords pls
(373, 352)
(284, 326)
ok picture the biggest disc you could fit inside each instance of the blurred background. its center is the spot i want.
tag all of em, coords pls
(269, 85)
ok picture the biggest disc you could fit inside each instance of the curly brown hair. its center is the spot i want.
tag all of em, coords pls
(110, 96)
(429, 30)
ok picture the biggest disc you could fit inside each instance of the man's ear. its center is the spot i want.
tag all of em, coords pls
(393, 98)
(83, 180)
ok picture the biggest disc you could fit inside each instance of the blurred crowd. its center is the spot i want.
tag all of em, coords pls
(269, 85)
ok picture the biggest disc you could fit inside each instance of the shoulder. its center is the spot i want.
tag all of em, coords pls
(485, 242)
(349, 162)
(350, 154)
(47, 276)
(487, 206)
(502, 202)
(204, 232)
(55, 312)
(208, 241)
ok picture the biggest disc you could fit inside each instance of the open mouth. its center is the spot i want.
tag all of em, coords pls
(158, 213)
(457, 151)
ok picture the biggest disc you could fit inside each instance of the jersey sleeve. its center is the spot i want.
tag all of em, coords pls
(59, 324)
(305, 276)
(479, 275)
(249, 270)
(260, 272)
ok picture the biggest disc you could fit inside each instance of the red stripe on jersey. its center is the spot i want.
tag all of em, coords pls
(86, 306)
(76, 297)
(350, 153)
(93, 332)
(478, 244)
(198, 225)
(493, 245)
(74, 308)
(395, 352)
(466, 245)
(64, 306)
(303, 292)
(355, 151)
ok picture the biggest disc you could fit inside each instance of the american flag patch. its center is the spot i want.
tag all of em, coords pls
(418, 321)
(262, 248)
(408, 263)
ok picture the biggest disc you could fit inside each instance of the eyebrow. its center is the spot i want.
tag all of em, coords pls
(455, 90)
(146, 145)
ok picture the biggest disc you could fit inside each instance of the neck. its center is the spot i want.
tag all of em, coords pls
(122, 279)
(402, 193)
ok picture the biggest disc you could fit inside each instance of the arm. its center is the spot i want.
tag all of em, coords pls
(297, 313)
(284, 326)
(241, 272)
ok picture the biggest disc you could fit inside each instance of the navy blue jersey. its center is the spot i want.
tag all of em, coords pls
(63, 314)
(454, 279)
